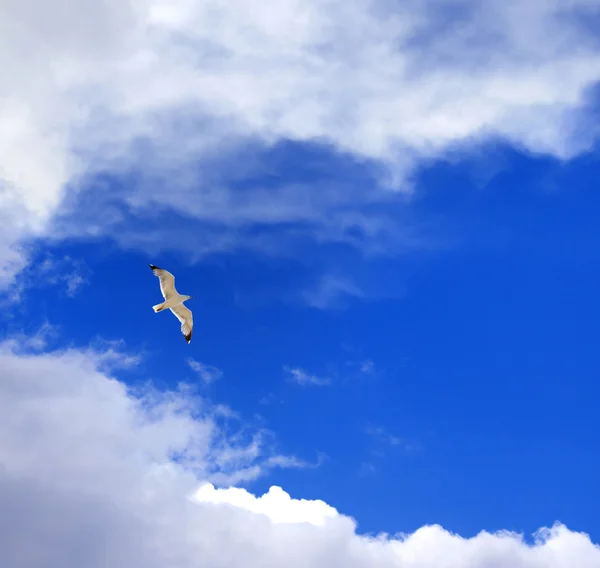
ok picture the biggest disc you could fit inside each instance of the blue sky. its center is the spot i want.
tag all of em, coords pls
(460, 389)
(392, 244)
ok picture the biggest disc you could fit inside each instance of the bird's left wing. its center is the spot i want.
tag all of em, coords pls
(184, 315)
(166, 279)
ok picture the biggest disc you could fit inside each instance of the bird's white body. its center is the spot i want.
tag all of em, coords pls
(173, 301)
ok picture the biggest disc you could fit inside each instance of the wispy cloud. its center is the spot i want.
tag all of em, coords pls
(361, 367)
(252, 472)
(208, 373)
(384, 438)
(330, 291)
(67, 271)
(270, 398)
(353, 371)
(382, 435)
(304, 379)
(51, 270)
(367, 367)
(37, 340)
(366, 468)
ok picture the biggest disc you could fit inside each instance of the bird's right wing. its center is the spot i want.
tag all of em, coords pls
(184, 315)
(166, 279)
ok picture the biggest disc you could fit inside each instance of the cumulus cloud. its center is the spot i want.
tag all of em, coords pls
(147, 426)
(160, 91)
(95, 474)
(276, 504)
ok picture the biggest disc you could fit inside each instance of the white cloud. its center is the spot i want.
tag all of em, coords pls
(275, 504)
(208, 373)
(92, 475)
(36, 341)
(49, 270)
(304, 379)
(163, 88)
(144, 426)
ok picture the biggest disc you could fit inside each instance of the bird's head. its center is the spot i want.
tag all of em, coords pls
(190, 297)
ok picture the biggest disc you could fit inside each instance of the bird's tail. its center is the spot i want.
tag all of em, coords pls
(159, 307)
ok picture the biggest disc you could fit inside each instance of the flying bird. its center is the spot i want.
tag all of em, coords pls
(173, 301)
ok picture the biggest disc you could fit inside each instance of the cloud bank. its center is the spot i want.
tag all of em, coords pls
(174, 102)
(94, 473)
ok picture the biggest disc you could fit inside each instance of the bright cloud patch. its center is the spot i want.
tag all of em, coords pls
(167, 90)
(276, 504)
(93, 474)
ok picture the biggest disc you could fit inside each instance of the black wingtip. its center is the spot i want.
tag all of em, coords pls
(188, 338)
(153, 267)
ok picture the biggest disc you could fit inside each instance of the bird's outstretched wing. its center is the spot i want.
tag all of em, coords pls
(184, 315)
(167, 281)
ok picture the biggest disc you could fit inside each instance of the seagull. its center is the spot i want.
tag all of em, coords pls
(173, 301)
